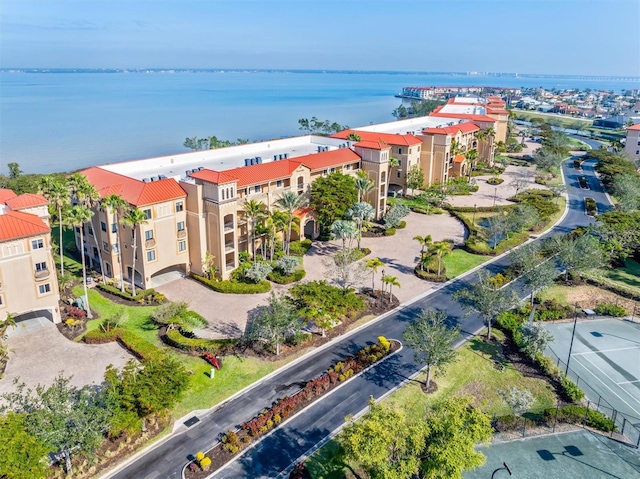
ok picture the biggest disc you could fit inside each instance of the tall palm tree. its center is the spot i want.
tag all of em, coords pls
(344, 230)
(118, 206)
(441, 249)
(391, 281)
(58, 195)
(364, 184)
(361, 212)
(471, 156)
(276, 222)
(289, 202)
(254, 211)
(78, 216)
(134, 218)
(373, 264)
(425, 242)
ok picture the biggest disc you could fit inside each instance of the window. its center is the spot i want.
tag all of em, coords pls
(231, 192)
(324, 172)
(151, 255)
(147, 214)
(44, 288)
(279, 184)
(114, 228)
(182, 246)
(256, 189)
(347, 167)
(419, 147)
(116, 248)
(179, 206)
(90, 230)
(1, 302)
(223, 192)
(37, 244)
(399, 163)
(148, 235)
(409, 150)
(399, 174)
(399, 151)
(103, 226)
(333, 170)
(105, 246)
(41, 266)
(180, 225)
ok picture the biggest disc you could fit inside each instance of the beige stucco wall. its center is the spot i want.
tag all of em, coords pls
(632, 145)
(19, 287)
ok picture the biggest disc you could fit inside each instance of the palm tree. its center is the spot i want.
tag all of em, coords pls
(391, 281)
(344, 230)
(254, 210)
(276, 222)
(425, 242)
(441, 249)
(8, 322)
(363, 183)
(471, 156)
(374, 264)
(116, 204)
(289, 202)
(361, 212)
(78, 216)
(134, 218)
(58, 195)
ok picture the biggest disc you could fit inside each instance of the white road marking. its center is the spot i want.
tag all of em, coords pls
(605, 351)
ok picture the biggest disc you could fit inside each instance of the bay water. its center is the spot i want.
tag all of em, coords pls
(63, 121)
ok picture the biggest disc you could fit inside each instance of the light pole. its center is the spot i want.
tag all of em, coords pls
(475, 208)
(495, 193)
(575, 321)
(503, 468)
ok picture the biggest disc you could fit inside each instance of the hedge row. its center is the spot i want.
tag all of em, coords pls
(141, 295)
(299, 248)
(141, 348)
(484, 249)
(429, 276)
(174, 338)
(233, 287)
(277, 277)
(572, 414)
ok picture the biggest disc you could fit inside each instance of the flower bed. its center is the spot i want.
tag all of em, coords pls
(233, 442)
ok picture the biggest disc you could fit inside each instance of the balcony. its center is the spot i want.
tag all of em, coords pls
(42, 274)
(182, 234)
(229, 247)
(150, 243)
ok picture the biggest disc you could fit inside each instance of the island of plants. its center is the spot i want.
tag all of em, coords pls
(234, 441)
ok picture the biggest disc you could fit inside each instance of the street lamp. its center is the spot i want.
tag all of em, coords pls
(495, 193)
(475, 208)
(503, 468)
(573, 334)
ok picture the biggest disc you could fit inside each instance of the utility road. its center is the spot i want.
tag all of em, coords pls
(275, 453)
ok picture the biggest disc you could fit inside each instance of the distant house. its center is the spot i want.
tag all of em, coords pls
(612, 122)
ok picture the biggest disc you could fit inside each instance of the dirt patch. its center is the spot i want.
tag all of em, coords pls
(433, 387)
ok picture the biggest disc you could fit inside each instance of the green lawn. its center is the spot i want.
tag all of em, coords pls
(473, 374)
(574, 143)
(461, 261)
(629, 276)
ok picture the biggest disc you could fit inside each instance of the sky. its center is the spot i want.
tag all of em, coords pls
(575, 37)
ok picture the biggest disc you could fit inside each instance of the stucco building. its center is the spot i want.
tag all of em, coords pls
(632, 145)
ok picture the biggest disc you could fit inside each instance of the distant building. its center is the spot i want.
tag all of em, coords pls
(612, 122)
(632, 144)
(28, 284)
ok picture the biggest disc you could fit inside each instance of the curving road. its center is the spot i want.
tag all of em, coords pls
(299, 435)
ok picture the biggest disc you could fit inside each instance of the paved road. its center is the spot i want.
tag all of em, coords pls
(276, 452)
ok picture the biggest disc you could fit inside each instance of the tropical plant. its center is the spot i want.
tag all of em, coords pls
(391, 281)
(373, 264)
(275, 322)
(363, 184)
(425, 242)
(361, 212)
(78, 216)
(394, 216)
(346, 231)
(255, 211)
(441, 249)
(118, 206)
(287, 264)
(57, 193)
(134, 218)
(289, 202)
(209, 265)
(8, 322)
(258, 271)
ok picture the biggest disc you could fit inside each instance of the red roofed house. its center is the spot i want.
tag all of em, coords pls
(163, 244)
(28, 284)
(632, 145)
(218, 224)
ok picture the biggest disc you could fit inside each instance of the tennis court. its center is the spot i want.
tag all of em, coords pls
(605, 361)
(572, 455)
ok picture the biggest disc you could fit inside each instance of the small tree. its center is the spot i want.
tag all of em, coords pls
(258, 271)
(577, 254)
(441, 249)
(275, 322)
(415, 178)
(536, 338)
(345, 270)
(425, 242)
(497, 226)
(22, 455)
(391, 281)
(14, 170)
(209, 265)
(431, 340)
(518, 400)
(361, 212)
(373, 264)
(287, 264)
(537, 273)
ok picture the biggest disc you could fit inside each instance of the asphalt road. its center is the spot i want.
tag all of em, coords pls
(284, 446)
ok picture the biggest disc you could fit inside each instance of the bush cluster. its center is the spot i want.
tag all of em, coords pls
(145, 296)
(280, 278)
(495, 181)
(175, 338)
(541, 200)
(74, 312)
(234, 287)
(578, 414)
(389, 231)
(608, 309)
(299, 248)
(402, 225)
(334, 300)
(230, 442)
(429, 275)
(139, 347)
(549, 310)
(480, 247)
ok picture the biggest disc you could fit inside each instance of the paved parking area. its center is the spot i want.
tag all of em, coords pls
(37, 356)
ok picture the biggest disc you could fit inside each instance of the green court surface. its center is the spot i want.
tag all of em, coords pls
(606, 359)
(571, 455)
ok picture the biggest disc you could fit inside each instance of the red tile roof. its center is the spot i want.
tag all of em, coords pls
(459, 159)
(497, 111)
(26, 200)
(466, 116)
(635, 127)
(5, 195)
(373, 145)
(466, 127)
(276, 170)
(17, 224)
(390, 138)
(302, 212)
(135, 192)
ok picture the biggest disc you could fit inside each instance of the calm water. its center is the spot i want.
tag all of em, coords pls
(65, 121)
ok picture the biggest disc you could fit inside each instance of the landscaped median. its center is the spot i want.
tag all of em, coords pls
(234, 441)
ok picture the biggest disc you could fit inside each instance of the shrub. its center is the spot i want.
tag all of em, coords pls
(580, 414)
(299, 248)
(74, 312)
(312, 295)
(429, 275)
(495, 181)
(395, 214)
(199, 456)
(231, 442)
(258, 272)
(141, 348)
(287, 265)
(570, 388)
(499, 280)
(389, 231)
(590, 206)
(608, 309)
(384, 343)
(205, 463)
(145, 296)
(175, 338)
(279, 278)
(234, 287)
(402, 225)
(244, 256)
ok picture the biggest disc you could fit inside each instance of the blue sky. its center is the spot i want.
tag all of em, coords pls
(590, 37)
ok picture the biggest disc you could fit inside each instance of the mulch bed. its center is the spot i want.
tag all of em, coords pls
(220, 456)
(72, 333)
(433, 387)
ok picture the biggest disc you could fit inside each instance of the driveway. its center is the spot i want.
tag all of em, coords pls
(36, 357)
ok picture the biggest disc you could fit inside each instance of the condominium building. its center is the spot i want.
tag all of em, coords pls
(28, 284)
(632, 145)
